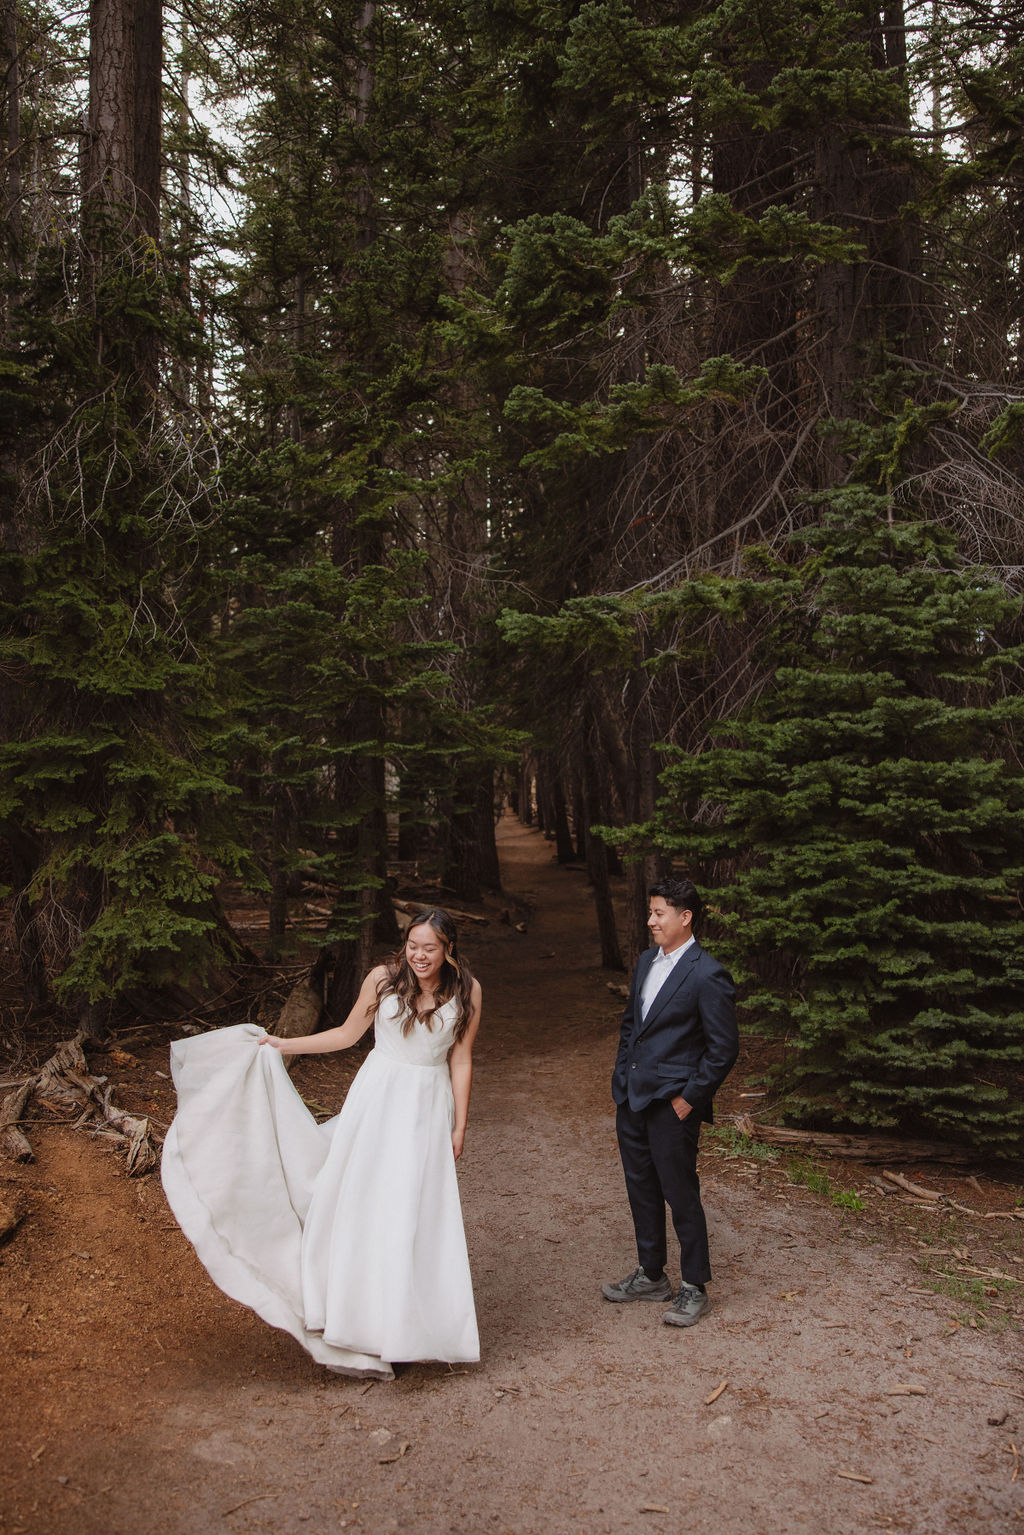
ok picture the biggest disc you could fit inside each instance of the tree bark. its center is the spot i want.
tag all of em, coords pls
(579, 815)
(14, 1143)
(12, 211)
(490, 867)
(461, 871)
(753, 318)
(121, 187)
(149, 59)
(565, 850)
(410, 815)
(526, 814)
(873, 303)
(598, 871)
(110, 151)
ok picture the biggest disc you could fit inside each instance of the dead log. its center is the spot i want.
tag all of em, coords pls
(411, 908)
(14, 1144)
(863, 1148)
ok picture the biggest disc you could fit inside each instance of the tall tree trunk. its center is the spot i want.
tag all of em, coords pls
(364, 79)
(752, 318)
(121, 175)
(598, 870)
(525, 809)
(110, 146)
(872, 304)
(410, 815)
(470, 851)
(281, 838)
(11, 210)
(565, 851)
(149, 60)
(641, 792)
(490, 867)
(579, 814)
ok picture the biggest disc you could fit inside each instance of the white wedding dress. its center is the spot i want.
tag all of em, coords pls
(347, 1234)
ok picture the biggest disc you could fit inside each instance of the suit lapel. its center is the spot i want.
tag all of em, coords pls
(643, 964)
(675, 980)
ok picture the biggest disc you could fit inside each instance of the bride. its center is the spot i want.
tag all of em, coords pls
(348, 1234)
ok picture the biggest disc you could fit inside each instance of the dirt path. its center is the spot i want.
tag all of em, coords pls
(135, 1397)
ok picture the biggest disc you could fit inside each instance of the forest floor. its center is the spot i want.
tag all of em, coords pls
(860, 1369)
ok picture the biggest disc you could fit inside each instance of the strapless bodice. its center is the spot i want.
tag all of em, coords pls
(423, 1045)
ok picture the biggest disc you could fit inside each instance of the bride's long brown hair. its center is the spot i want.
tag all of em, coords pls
(455, 980)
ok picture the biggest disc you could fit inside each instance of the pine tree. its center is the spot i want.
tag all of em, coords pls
(114, 802)
(865, 820)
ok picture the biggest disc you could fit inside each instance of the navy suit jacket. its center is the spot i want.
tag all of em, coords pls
(688, 1042)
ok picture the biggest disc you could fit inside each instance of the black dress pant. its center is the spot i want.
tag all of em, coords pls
(659, 1159)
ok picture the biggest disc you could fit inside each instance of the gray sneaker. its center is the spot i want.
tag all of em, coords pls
(637, 1286)
(688, 1307)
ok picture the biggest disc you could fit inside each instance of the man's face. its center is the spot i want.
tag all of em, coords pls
(669, 926)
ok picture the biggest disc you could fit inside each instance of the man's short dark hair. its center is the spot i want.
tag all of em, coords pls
(680, 893)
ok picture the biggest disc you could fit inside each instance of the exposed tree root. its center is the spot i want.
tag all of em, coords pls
(65, 1084)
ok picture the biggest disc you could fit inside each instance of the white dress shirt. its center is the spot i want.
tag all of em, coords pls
(659, 972)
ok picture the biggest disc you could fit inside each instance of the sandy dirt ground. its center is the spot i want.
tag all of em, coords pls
(859, 1370)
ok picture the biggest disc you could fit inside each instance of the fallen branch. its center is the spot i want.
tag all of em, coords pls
(140, 1153)
(865, 1148)
(912, 1188)
(968, 1268)
(257, 1497)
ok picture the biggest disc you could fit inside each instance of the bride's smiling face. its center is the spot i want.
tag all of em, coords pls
(424, 952)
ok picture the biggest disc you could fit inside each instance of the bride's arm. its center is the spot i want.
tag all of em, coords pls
(460, 1064)
(346, 1034)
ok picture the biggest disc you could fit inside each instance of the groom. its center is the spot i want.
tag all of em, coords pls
(677, 1046)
